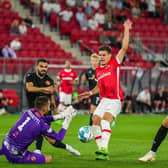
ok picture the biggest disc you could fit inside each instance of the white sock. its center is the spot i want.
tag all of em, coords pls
(58, 117)
(106, 133)
(66, 122)
(72, 150)
(97, 135)
(61, 108)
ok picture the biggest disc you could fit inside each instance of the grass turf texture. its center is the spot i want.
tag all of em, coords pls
(131, 138)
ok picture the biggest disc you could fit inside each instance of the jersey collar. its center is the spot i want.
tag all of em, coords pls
(104, 66)
(67, 70)
(36, 112)
(39, 76)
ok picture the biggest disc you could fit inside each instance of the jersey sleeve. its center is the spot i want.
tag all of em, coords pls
(46, 130)
(115, 62)
(59, 75)
(29, 78)
(75, 75)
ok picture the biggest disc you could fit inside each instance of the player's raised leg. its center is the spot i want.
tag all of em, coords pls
(111, 109)
(160, 136)
(106, 129)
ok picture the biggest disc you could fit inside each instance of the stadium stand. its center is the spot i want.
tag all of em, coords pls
(34, 44)
(146, 27)
(12, 96)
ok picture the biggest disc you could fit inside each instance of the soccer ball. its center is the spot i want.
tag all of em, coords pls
(85, 134)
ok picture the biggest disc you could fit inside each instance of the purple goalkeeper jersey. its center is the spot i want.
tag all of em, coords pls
(30, 125)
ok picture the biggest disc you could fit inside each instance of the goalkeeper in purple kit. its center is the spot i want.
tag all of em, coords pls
(32, 124)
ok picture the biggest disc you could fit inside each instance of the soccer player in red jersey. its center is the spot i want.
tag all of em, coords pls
(66, 79)
(108, 77)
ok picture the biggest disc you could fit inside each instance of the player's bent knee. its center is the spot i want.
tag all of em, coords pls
(48, 159)
(165, 122)
(96, 120)
(108, 117)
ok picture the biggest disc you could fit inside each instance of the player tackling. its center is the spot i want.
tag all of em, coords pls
(108, 77)
(159, 137)
(31, 124)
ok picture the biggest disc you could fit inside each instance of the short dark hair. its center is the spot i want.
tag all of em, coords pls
(68, 60)
(105, 48)
(41, 60)
(41, 101)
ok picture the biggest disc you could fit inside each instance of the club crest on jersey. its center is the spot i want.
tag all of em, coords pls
(47, 83)
(108, 66)
(33, 158)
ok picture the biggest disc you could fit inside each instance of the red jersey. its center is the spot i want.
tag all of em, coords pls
(108, 77)
(66, 77)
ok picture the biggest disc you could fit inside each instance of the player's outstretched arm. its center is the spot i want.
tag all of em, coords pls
(87, 94)
(125, 42)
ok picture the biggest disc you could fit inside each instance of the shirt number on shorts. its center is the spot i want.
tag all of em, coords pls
(20, 127)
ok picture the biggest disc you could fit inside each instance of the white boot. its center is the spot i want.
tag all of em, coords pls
(72, 150)
(37, 151)
(150, 156)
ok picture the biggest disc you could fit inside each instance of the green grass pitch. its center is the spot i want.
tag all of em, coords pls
(131, 138)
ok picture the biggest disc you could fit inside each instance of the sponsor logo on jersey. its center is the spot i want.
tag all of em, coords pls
(108, 66)
(67, 78)
(104, 75)
(47, 82)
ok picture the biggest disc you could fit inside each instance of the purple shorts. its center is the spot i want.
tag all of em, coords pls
(28, 157)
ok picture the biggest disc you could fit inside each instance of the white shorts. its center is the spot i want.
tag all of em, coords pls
(66, 98)
(112, 106)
